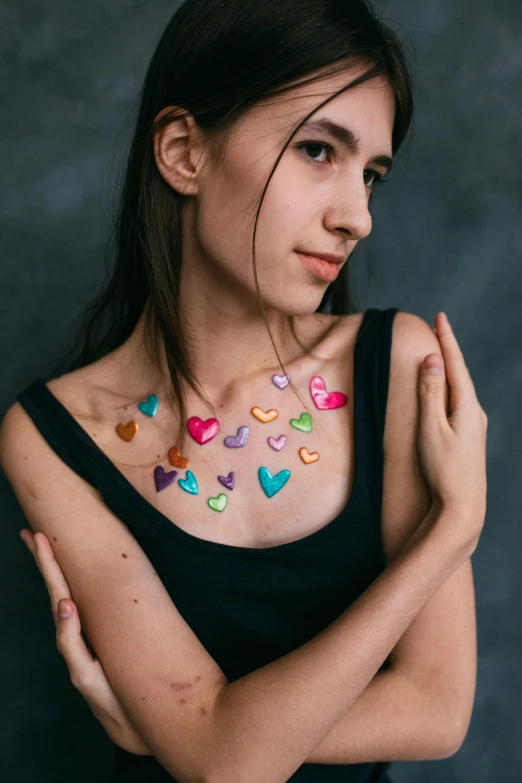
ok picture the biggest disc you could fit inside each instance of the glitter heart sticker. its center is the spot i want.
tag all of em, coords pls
(150, 406)
(236, 441)
(325, 401)
(175, 458)
(281, 381)
(308, 457)
(228, 481)
(264, 416)
(163, 479)
(272, 484)
(202, 431)
(219, 503)
(277, 443)
(127, 431)
(303, 423)
(189, 484)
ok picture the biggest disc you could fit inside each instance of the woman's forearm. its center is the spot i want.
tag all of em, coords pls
(267, 723)
(392, 720)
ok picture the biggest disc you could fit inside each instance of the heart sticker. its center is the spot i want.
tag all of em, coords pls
(189, 484)
(176, 460)
(219, 503)
(127, 431)
(281, 381)
(277, 443)
(272, 484)
(325, 401)
(303, 423)
(260, 414)
(307, 457)
(202, 431)
(162, 479)
(228, 481)
(236, 441)
(150, 406)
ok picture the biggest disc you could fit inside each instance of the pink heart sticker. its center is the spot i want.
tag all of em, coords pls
(202, 431)
(277, 443)
(325, 401)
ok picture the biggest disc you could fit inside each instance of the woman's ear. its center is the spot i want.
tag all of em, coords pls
(178, 154)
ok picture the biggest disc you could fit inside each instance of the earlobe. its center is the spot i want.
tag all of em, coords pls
(172, 151)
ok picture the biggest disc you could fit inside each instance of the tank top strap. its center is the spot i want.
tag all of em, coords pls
(63, 433)
(372, 356)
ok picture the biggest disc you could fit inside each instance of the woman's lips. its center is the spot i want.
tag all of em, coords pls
(325, 270)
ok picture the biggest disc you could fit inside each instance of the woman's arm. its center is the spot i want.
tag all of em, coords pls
(393, 719)
(263, 726)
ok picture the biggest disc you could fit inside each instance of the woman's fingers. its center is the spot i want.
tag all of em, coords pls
(462, 389)
(54, 579)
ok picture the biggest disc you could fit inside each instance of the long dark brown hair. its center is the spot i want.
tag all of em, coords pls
(215, 60)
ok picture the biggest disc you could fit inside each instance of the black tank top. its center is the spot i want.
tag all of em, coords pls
(250, 606)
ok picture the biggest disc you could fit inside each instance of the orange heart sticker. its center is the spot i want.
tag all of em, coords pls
(176, 460)
(260, 414)
(307, 457)
(127, 431)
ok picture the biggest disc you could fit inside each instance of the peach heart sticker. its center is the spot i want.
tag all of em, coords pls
(176, 460)
(307, 457)
(325, 401)
(260, 414)
(127, 431)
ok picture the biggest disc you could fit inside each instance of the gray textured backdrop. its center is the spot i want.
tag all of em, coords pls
(446, 236)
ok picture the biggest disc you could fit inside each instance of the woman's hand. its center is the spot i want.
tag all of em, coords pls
(452, 445)
(86, 671)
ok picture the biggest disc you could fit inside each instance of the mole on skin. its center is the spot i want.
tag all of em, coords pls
(123, 554)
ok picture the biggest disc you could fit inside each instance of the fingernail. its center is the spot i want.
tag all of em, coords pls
(64, 610)
(433, 365)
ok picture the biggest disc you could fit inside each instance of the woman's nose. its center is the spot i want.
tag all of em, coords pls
(350, 213)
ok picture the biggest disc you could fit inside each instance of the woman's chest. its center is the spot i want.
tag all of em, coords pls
(254, 481)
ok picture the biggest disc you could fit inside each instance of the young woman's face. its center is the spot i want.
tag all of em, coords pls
(317, 199)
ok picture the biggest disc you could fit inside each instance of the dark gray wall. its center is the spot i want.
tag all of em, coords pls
(446, 237)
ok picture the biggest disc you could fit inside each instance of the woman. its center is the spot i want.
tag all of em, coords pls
(260, 536)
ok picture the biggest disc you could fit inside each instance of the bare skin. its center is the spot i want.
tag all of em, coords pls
(86, 671)
(308, 206)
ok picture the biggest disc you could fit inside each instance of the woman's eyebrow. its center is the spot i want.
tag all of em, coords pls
(346, 137)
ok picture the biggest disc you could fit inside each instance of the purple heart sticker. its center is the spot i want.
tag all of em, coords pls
(236, 441)
(281, 381)
(162, 479)
(228, 481)
(277, 443)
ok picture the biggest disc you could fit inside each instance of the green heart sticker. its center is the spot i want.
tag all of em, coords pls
(303, 423)
(219, 503)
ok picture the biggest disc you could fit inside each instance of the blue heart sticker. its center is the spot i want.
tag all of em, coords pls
(272, 484)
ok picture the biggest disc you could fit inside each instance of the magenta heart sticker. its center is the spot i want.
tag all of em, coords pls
(281, 381)
(202, 431)
(277, 443)
(325, 401)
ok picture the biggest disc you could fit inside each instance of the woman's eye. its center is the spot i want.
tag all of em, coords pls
(315, 147)
(311, 145)
(377, 178)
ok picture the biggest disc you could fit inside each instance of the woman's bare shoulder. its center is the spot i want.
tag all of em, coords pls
(406, 496)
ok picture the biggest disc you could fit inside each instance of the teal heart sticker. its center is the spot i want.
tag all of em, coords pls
(272, 484)
(303, 423)
(189, 484)
(150, 406)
